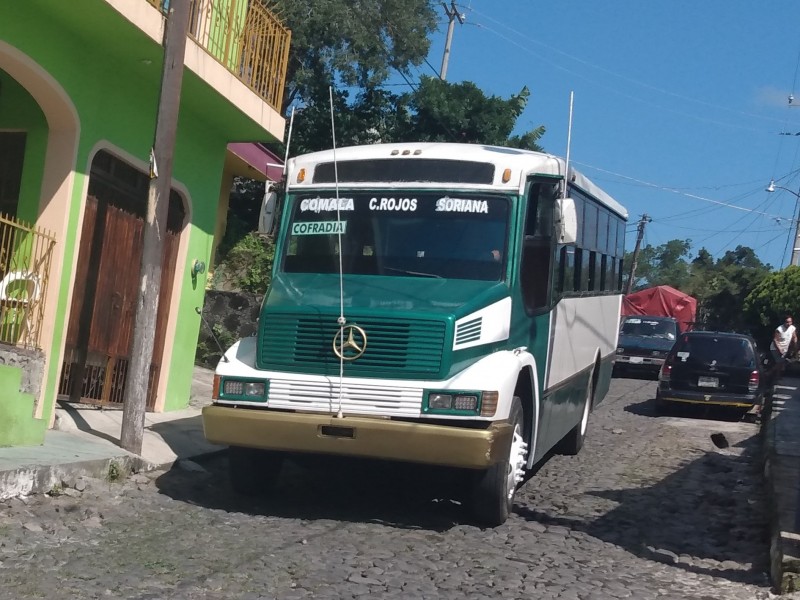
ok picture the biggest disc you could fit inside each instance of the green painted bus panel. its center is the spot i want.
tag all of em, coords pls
(409, 322)
(560, 406)
(417, 297)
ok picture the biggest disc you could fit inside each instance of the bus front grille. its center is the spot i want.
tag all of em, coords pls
(326, 396)
(396, 347)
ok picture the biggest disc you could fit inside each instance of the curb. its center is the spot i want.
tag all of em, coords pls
(40, 479)
(781, 482)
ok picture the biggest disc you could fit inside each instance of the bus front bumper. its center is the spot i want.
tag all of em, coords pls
(358, 436)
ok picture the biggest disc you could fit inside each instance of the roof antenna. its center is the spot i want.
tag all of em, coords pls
(341, 320)
(569, 144)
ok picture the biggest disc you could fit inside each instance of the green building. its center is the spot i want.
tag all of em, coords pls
(79, 93)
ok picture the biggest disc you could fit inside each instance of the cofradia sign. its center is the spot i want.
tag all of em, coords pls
(319, 227)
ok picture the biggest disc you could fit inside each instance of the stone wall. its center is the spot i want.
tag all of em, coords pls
(231, 316)
(29, 362)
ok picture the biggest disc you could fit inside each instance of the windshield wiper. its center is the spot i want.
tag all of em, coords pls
(415, 273)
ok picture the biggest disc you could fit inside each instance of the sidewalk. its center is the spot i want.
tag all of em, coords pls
(85, 443)
(781, 446)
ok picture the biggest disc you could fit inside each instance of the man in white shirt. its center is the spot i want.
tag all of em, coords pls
(784, 336)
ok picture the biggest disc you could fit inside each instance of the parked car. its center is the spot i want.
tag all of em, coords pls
(644, 342)
(714, 368)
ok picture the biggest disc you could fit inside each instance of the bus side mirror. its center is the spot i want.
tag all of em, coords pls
(566, 221)
(266, 218)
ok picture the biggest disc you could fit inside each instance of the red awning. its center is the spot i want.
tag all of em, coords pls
(259, 158)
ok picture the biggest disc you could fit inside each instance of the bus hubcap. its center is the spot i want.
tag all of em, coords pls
(516, 461)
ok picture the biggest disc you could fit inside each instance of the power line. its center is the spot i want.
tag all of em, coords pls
(623, 77)
(677, 191)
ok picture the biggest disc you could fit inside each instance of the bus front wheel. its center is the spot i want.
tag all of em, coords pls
(493, 490)
(253, 472)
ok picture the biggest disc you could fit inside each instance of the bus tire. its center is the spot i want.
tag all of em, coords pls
(253, 472)
(494, 488)
(572, 443)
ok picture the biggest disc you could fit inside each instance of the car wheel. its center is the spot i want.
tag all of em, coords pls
(253, 472)
(494, 488)
(660, 404)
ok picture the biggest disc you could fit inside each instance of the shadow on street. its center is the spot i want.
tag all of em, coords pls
(709, 509)
(337, 488)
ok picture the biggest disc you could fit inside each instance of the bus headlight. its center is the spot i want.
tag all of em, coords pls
(453, 403)
(240, 389)
(440, 401)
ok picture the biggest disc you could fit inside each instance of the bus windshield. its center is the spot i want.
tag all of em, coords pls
(429, 234)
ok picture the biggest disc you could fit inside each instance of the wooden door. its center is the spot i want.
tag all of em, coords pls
(100, 330)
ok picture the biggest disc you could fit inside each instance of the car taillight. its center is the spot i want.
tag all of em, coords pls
(752, 385)
(666, 371)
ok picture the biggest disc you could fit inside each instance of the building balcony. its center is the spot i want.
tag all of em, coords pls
(246, 38)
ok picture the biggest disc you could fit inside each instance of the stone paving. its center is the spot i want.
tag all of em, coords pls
(651, 508)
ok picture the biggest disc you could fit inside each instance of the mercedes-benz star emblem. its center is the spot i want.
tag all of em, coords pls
(350, 342)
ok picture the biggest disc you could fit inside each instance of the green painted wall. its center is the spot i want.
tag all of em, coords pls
(110, 72)
(19, 111)
(220, 43)
(17, 425)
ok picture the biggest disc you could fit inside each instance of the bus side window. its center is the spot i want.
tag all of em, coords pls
(537, 249)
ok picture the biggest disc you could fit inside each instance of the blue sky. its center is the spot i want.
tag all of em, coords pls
(678, 106)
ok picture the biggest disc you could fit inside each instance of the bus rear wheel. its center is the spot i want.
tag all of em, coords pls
(493, 489)
(572, 443)
(253, 472)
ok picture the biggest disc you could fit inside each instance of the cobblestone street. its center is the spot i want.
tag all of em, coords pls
(650, 508)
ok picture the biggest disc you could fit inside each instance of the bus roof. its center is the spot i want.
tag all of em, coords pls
(522, 163)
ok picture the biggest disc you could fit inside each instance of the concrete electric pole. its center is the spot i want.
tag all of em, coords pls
(155, 227)
(640, 234)
(453, 14)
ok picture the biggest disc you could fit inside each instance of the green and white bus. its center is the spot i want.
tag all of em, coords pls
(448, 304)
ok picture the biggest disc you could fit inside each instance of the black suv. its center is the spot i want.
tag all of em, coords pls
(644, 342)
(713, 368)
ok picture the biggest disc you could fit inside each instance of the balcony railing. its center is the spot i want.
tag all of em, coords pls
(25, 255)
(246, 38)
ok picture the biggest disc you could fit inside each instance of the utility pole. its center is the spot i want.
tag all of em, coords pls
(796, 247)
(640, 234)
(453, 14)
(155, 227)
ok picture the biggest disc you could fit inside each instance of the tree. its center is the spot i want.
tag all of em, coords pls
(372, 116)
(721, 288)
(775, 295)
(352, 43)
(661, 265)
(437, 111)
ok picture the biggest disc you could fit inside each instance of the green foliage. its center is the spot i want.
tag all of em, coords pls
(720, 287)
(115, 472)
(353, 43)
(774, 296)
(369, 118)
(208, 353)
(661, 265)
(437, 111)
(354, 46)
(247, 266)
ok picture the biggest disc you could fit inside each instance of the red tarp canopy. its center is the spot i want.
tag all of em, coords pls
(662, 301)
